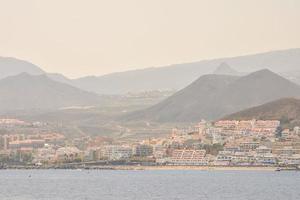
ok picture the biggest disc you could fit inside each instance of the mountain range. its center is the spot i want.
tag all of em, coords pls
(214, 96)
(180, 75)
(172, 77)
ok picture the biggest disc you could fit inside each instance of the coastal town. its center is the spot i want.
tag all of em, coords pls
(228, 143)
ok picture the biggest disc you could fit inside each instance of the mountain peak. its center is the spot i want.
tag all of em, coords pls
(265, 71)
(225, 69)
(264, 74)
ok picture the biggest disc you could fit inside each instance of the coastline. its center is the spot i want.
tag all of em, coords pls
(199, 168)
(157, 168)
(210, 168)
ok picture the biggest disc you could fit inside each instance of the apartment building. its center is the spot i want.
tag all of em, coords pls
(189, 157)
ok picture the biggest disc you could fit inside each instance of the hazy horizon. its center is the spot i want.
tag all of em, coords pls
(79, 38)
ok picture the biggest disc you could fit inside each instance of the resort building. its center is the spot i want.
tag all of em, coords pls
(189, 157)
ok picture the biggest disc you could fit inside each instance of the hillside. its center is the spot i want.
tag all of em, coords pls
(25, 91)
(59, 78)
(292, 75)
(190, 104)
(180, 75)
(13, 66)
(287, 110)
(213, 96)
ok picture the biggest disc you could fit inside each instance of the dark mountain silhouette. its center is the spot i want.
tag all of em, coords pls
(192, 103)
(213, 96)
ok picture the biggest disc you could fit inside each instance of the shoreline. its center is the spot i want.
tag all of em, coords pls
(211, 168)
(159, 168)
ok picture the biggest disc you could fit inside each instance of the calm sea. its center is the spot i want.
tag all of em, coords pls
(144, 185)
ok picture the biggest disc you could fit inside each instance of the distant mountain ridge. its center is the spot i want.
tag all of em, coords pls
(292, 75)
(12, 66)
(59, 78)
(172, 77)
(180, 75)
(213, 96)
(26, 92)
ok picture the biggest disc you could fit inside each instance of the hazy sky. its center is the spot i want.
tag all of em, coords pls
(82, 37)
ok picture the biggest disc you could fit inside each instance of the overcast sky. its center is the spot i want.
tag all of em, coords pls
(84, 37)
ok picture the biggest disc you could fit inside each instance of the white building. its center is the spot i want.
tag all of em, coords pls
(116, 152)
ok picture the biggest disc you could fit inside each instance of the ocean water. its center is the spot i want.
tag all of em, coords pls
(148, 185)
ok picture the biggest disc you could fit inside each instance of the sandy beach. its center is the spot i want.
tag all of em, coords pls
(201, 168)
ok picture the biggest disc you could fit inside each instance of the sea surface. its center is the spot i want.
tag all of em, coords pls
(146, 185)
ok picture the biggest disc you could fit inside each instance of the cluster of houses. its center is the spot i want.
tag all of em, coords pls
(223, 143)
